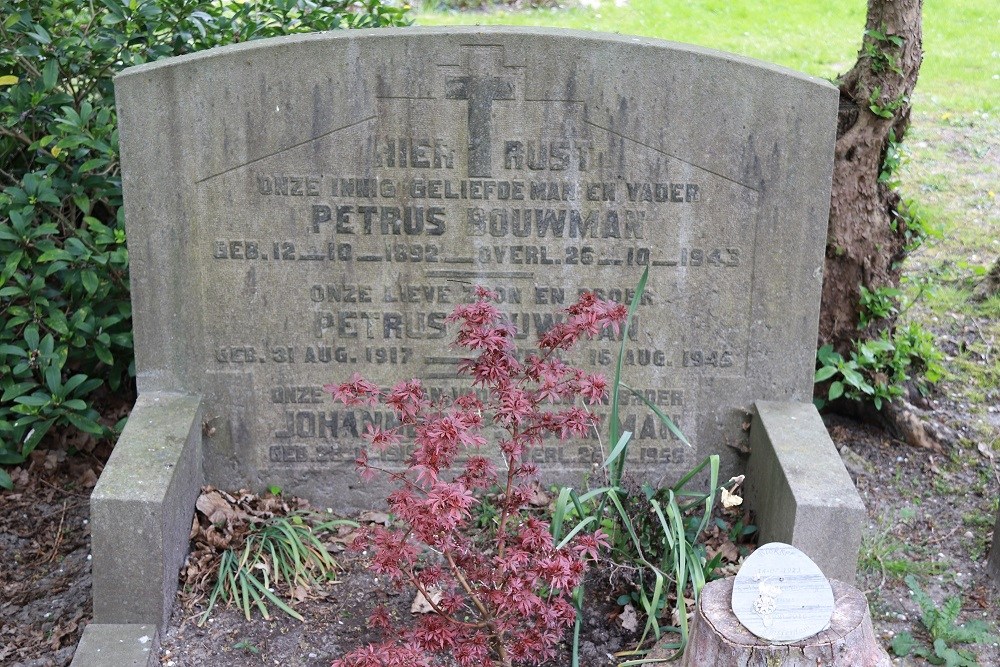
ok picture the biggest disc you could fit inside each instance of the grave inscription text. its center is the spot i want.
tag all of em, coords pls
(378, 256)
(352, 210)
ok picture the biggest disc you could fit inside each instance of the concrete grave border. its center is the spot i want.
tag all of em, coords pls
(118, 645)
(800, 489)
(141, 510)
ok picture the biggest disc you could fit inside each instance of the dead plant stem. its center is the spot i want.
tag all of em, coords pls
(59, 534)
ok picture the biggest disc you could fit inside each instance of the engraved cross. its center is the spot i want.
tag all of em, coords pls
(480, 87)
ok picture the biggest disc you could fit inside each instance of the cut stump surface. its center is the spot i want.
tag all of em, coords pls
(718, 638)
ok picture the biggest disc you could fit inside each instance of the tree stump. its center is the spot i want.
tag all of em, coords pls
(718, 638)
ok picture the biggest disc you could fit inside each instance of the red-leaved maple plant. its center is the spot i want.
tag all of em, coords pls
(501, 594)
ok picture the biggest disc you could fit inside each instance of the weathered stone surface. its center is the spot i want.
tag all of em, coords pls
(781, 596)
(141, 510)
(799, 488)
(718, 638)
(304, 208)
(113, 645)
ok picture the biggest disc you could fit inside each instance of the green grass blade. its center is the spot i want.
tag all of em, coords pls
(329, 525)
(614, 424)
(667, 421)
(235, 579)
(619, 451)
(559, 512)
(275, 600)
(677, 526)
(244, 590)
(653, 621)
(680, 563)
(257, 600)
(225, 563)
(626, 521)
(697, 573)
(683, 481)
(289, 543)
(580, 526)
(577, 624)
(667, 533)
(277, 563)
(649, 661)
(577, 503)
(713, 485)
(594, 493)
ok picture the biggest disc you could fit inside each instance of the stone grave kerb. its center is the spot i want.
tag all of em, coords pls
(304, 207)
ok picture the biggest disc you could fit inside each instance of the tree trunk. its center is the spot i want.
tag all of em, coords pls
(866, 238)
(718, 638)
(989, 285)
(993, 565)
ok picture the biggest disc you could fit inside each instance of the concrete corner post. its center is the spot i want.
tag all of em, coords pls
(112, 645)
(141, 511)
(800, 489)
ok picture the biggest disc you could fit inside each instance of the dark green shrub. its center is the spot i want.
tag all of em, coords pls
(65, 329)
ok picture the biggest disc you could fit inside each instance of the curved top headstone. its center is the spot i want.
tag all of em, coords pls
(305, 207)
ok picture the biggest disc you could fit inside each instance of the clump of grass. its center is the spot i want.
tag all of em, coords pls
(256, 551)
(280, 553)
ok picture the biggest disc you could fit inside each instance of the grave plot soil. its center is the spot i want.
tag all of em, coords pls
(45, 560)
(335, 624)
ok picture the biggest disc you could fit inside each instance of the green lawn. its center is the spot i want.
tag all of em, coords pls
(960, 73)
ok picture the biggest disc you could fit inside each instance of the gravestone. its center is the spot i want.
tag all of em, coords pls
(302, 208)
(781, 596)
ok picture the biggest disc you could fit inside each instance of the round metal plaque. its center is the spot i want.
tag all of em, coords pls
(781, 595)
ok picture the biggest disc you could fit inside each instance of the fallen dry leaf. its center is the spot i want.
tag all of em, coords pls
(730, 499)
(720, 543)
(421, 605)
(218, 509)
(20, 477)
(88, 479)
(629, 619)
(538, 497)
(382, 518)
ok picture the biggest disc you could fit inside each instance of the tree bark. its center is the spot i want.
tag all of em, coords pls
(993, 564)
(866, 238)
(989, 285)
